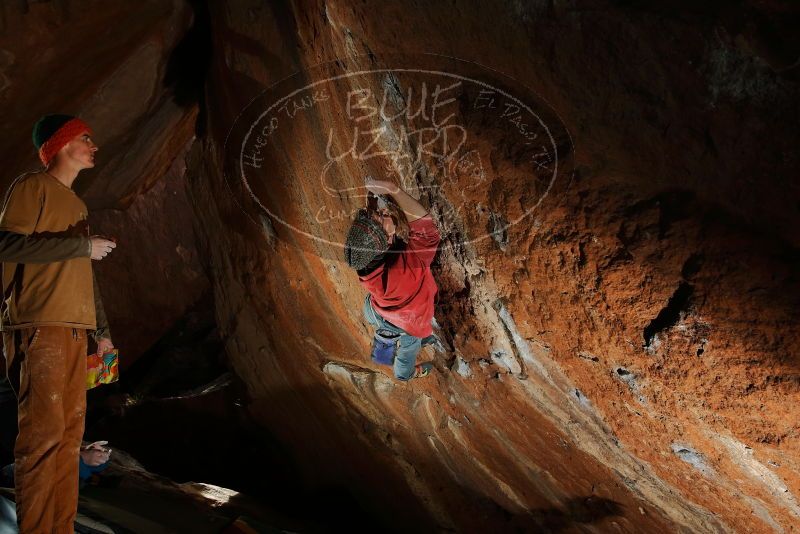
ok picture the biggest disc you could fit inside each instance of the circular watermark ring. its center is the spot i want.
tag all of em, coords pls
(430, 130)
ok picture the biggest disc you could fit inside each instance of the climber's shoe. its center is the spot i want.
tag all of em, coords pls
(422, 370)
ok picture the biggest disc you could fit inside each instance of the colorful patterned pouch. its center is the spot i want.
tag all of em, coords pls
(102, 369)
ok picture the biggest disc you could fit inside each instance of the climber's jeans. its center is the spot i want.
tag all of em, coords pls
(408, 348)
(46, 367)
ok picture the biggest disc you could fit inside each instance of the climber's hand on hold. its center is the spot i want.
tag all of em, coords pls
(379, 187)
(409, 205)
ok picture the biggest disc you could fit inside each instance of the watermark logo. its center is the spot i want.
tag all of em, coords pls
(481, 150)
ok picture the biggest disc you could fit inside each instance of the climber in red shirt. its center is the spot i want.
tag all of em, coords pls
(397, 274)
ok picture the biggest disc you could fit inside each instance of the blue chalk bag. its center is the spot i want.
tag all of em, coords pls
(384, 346)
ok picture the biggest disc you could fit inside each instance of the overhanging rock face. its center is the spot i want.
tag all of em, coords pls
(627, 344)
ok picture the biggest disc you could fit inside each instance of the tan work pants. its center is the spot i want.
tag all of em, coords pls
(47, 369)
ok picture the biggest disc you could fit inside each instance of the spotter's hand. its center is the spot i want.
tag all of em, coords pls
(101, 247)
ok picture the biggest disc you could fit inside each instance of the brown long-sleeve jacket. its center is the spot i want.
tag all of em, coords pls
(19, 248)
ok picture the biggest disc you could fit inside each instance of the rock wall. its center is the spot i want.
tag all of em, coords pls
(629, 344)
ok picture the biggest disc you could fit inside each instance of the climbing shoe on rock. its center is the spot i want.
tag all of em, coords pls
(422, 370)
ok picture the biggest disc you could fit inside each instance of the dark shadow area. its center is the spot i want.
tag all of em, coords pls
(190, 61)
(182, 414)
(576, 511)
(8, 423)
(768, 29)
(189, 355)
(209, 439)
(670, 314)
(570, 515)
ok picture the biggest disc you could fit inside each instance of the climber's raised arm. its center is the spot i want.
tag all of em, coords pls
(410, 206)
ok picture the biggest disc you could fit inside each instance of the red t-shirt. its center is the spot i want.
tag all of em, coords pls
(403, 288)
